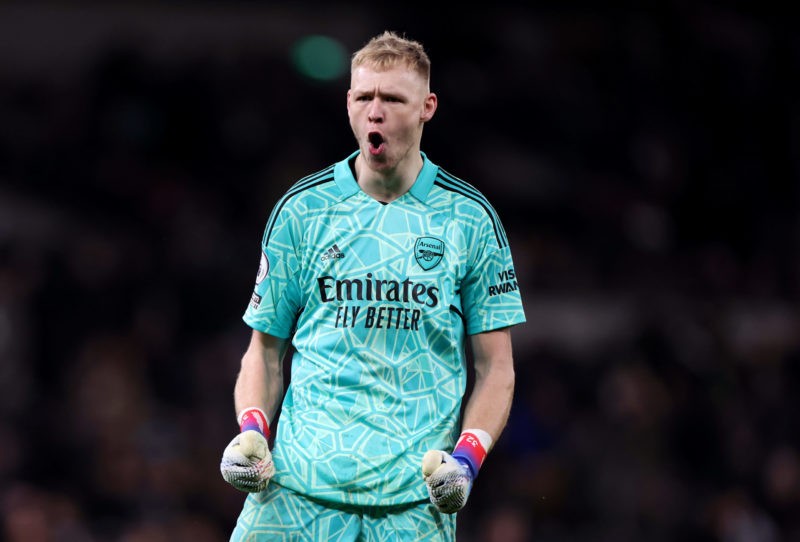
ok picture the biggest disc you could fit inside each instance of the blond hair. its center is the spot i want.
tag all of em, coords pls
(389, 50)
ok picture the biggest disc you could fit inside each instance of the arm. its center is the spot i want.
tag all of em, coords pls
(260, 380)
(247, 462)
(449, 477)
(490, 401)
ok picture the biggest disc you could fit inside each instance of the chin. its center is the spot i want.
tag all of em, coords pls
(375, 160)
(381, 163)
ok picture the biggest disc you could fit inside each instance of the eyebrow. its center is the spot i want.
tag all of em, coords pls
(382, 93)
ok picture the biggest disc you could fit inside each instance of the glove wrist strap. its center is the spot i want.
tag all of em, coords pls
(254, 419)
(471, 449)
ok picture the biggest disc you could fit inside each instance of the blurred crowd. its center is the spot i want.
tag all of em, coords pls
(644, 163)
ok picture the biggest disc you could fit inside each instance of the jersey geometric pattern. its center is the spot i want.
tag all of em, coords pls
(378, 300)
(278, 514)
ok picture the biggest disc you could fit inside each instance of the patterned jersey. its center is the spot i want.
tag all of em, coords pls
(378, 299)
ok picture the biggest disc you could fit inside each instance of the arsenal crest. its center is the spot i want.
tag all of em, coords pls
(428, 252)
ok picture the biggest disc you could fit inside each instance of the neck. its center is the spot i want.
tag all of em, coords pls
(389, 184)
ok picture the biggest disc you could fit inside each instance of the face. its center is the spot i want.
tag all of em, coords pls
(387, 111)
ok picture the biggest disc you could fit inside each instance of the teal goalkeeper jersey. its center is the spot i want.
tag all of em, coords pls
(378, 300)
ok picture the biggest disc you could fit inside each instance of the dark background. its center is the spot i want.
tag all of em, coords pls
(644, 163)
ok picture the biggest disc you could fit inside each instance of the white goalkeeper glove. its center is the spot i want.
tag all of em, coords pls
(247, 462)
(449, 478)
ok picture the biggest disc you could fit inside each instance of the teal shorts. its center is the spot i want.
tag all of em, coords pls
(281, 515)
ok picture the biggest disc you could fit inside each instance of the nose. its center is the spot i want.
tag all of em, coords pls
(375, 111)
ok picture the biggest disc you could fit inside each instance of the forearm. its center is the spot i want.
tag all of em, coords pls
(260, 380)
(489, 404)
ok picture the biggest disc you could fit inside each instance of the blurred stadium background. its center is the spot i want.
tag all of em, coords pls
(644, 162)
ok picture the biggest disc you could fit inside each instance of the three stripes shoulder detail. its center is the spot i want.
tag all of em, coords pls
(451, 183)
(310, 181)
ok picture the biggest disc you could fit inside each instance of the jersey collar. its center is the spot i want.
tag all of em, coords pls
(344, 177)
(349, 186)
(425, 179)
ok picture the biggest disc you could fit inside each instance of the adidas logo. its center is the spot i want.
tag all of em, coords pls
(332, 253)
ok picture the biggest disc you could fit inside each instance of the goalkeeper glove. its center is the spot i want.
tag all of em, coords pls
(449, 478)
(247, 462)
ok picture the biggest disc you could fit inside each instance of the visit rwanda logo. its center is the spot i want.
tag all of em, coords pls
(428, 252)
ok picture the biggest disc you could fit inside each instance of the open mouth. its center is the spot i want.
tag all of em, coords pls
(375, 141)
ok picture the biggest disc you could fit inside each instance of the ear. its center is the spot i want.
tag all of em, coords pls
(348, 100)
(429, 107)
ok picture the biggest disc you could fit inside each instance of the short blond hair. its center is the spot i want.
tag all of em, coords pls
(389, 49)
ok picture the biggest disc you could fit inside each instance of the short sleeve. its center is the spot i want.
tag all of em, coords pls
(490, 291)
(274, 304)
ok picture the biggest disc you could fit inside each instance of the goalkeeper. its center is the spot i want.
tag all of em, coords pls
(379, 271)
